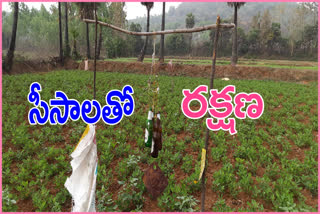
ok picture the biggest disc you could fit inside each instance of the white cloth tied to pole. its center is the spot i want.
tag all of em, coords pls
(82, 182)
(86, 65)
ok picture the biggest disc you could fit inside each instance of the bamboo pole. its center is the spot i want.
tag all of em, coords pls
(190, 30)
(95, 52)
(214, 57)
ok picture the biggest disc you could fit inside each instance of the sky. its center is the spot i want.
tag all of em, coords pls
(133, 9)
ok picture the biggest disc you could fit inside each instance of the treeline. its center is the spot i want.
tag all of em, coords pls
(264, 39)
(38, 31)
(38, 34)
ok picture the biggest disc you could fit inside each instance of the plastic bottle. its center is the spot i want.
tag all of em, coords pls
(149, 129)
(159, 131)
(154, 149)
(155, 135)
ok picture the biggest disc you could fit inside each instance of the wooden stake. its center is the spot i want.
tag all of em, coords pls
(60, 35)
(95, 52)
(214, 57)
(189, 30)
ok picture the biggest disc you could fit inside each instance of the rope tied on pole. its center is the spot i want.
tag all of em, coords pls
(155, 82)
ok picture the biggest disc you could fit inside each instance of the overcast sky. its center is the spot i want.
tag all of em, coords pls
(133, 9)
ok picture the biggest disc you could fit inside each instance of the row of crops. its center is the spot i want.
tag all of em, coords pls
(270, 165)
(304, 65)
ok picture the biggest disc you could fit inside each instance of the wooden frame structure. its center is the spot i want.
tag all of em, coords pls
(188, 30)
(216, 26)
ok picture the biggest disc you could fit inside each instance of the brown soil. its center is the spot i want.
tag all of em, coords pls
(155, 180)
(237, 72)
(150, 205)
(36, 66)
(24, 205)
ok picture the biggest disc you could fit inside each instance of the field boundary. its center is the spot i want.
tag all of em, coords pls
(238, 72)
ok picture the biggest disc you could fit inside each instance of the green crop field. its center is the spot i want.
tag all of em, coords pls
(304, 65)
(269, 165)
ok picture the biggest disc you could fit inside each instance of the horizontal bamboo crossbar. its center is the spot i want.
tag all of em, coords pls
(188, 30)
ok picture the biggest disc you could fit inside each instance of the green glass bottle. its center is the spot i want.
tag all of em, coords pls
(148, 132)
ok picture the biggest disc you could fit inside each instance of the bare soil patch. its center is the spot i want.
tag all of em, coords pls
(37, 66)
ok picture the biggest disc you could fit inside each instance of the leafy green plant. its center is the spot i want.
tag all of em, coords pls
(105, 202)
(224, 180)
(127, 166)
(8, 201)
(254, 206)
(130, 196)
(186, 203)
(221, 206)
(40, 199)
(187, 163)
(218, 152)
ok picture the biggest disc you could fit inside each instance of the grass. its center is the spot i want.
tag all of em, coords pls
(270, 165)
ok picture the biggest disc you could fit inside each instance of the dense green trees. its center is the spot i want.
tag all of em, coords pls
(135, 41)
(266, 35)
(176, 44)
(190, 21)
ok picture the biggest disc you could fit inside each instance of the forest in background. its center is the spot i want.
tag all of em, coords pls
(265, 30)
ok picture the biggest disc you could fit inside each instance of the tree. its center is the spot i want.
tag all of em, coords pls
(149, 6)
(74, 34)
(224, 44)
(161, 59)
(135, 41)
(86, 12)
(310, 31)
(10, 54)
(175, 44)
(310, 38)
(104, 14)
(236, 6)
(190, 20)
(313, 8)
(254, 41)
(265, 33)
(255, 22)
(190, 24)
(242, 42)
(275, 38)
(118, 15)
(66, 38)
